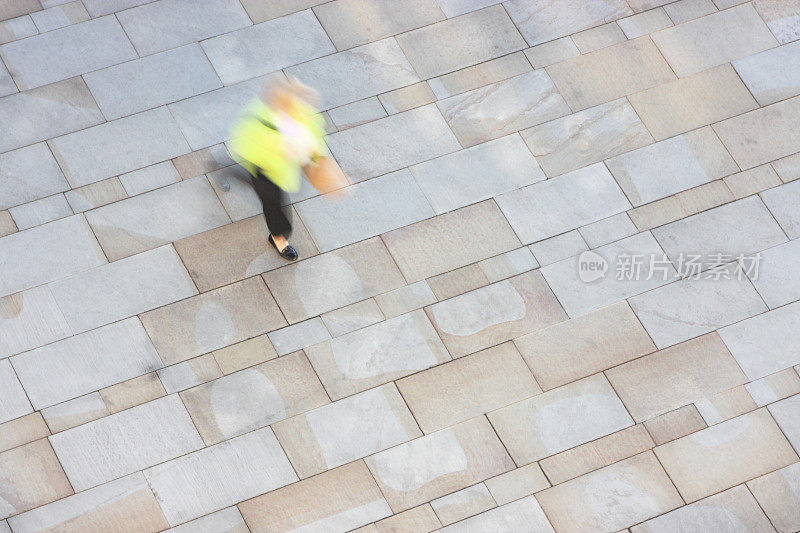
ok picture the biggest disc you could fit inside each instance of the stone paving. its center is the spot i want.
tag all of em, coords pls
(494, 330)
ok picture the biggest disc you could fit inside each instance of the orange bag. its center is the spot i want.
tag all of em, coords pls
(326, 176)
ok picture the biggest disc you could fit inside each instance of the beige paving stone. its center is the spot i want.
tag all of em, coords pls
(486, 73)
(189, 373)
(534, 428)
(358, 271)
(752, 181)
(352, 317)
(22, 430)
(778, 494)
(602, 452)
(774, 387)
(471, 386)
(546, 54)
(346, 430)
(724, 455)
(517, 483)
(608, 230)
(439, 463)
(542, 22)
(29, 319)
(420, 519)
(202, 161)
(457, 281)
(675, 424)
(59, 16)
(727, 511)
(657, 213)
(254, 397)
(788, 168)
(509, 264)
(96, 194)
(244, 354)
(726, 405)
(521, 515)
(16, 8)
(406, 98)
(685, 10)
(75, 412)
(471, 38)
(611, 498)
(463, 504)
(353, 22)
(12, 30)
(150, 178)
(502, 108)
(598, 37)
(405, 299)
(7, 226)
(212, 320)
(339, 499)
(584, 80)
(357, 113)
(495, 313)
(298, 336)
(781, 17)
(645, 23)
(32, 476)
(586, 137)
(693, 101)
(133, 392)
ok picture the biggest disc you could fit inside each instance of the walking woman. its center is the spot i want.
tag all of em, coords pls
(276, 136)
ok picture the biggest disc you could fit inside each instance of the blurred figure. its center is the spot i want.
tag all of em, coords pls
(276, 136)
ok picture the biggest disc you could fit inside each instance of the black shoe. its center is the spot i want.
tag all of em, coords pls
(288, 252)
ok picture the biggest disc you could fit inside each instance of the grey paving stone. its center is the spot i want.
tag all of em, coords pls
(29, 319)
(645, 23)
(157, 217)
(454, 8)
(408, 97)
(15, 8)
(491, 71)
(46, 253)
(229, 519)
(782, 202)
(786, 415)
(742, 227)
(40, 211)
(477, 173)
(685, 10)
(619, 280)
(519, 515)
(352, 317)
(358, 73)
(450, 241)
(95, 194)
(392, 143)
(87, 362)
(508, 264)
(563, 203)
(13, 402)
(135, 141)
(777, 278)
(150, 178)
(608, 230)
(771, 75)
(127, 441)
(200, 482)
(586, 137)
(59, 16)
(98, 8)
(7, 85)
(17, 28)
(502, 108)
(357, 113)
(559, 247)
(365, 209)
(19, 166)
(152, 81)
(298, 336)
(46, 112)
(260, 11)
(358, 271)
(354, 22)
(67, 52)
(766, 343)
(405, 299)
(670, 166)
(551, 52)
(781, 18)
(540, 22)
(122, 288)
(598, 37)
(460, 42)
(166, 24)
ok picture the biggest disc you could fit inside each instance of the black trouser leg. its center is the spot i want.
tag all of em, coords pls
(271, 196)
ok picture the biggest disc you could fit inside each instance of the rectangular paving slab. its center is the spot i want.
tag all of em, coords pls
(14, 403)
(770, 75)
(29, 319)
(540, 22)
(28, 174)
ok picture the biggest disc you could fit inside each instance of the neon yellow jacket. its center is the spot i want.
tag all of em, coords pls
(257, 143)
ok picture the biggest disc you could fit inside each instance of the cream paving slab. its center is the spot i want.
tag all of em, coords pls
(507, 265)
(726, 454)
(84, 155)
(125, 442)
(770, 75)
(463, 504)
(67, 52)
(392, 143)
(454, 8)
(357, 113)
(774, 387)
(337, 501)
(477, 173)
(713, 40)
(502, 108)
(22, 430)
(260, 11)
(40, 211)
(675, 376)
(598, 37)
(675, 424)
(149, 178)
(45, 112)
(540, 22)
(419, 519)
(52, 18)
(683, 11)
(365, 209)
(777, 282)
(95, 194)
(458, 281)
(585, 345)
(228, 520)
(584, 80)
(357, 73)
(75, 412)
(14, 402)
(611, 498)
(133, 392)
(189, 373)
(152, 81)
(17, 28)
(408, 97)
(469, 78)
(787, 414)
(254, 397)
(352, 317)
(495, 313)
(86, 362)
(471, 38)
(18, 8)
(219, 476)
(560, 247)
(346, 430)
(358, 271)
(405, 299)
(212, 320)
(781, 17)
(29, 319)
(645, 23)
(16, 169)
(47, 252)
(694, 101)
(244, 354)
(671, 166)
(690, 307)
(563, 203)
(467, 387)
(522, 515)
(782, 203)
(608, 230)
(534, 428)
(439, 463)
(377, 354)
(551, 52)
(298, 336)
(589, 136)
(517, 483)
(778, 494)
(267, 47)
